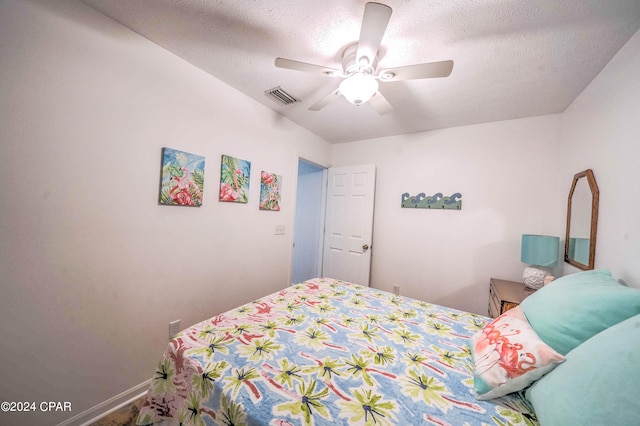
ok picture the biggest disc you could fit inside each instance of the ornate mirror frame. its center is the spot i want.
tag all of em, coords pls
(574, 242)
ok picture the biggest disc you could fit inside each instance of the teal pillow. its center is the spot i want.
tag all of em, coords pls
(571, 309)
(597, 384)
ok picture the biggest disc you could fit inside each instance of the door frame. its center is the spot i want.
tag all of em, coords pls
(322, 219)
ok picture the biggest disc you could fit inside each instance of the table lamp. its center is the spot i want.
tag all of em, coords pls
(538, 250)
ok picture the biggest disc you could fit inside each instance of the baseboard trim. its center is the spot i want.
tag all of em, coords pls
(107, 407)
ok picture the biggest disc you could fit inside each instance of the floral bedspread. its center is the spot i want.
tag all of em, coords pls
(327, 352)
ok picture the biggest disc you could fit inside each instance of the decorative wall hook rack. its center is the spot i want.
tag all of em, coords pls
(436, 201)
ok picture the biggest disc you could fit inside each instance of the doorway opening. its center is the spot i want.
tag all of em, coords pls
(308, 234)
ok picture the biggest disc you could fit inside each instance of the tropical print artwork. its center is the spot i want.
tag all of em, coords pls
(327, 352)
(182, 181)
(270, 191)
(234, 179)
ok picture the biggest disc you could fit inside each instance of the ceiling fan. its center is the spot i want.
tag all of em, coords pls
(359, 65)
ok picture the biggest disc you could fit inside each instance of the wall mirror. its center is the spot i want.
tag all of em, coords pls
(582, 221)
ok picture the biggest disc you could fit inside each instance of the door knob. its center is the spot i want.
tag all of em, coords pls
(365, 247)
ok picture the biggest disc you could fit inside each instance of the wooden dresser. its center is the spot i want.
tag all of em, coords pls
(505, 295)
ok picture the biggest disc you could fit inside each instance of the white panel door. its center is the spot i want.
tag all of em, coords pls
(349, 223)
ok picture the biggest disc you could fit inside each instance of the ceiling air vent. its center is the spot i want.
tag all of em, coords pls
(279, 95)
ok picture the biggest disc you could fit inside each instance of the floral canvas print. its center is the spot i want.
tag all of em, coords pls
(182, 181)
(270, 191)
(234, 179)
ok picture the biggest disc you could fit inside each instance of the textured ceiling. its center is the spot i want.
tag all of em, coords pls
(512, 58)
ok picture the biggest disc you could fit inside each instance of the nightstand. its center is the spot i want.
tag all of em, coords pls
(505, 295)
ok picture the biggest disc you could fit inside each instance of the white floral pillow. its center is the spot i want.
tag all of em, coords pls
(509, 355)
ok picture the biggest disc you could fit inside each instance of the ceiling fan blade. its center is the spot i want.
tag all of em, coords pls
(413, 72)
(374, 24)
(380, 104)
(325, 101)
(303, 66)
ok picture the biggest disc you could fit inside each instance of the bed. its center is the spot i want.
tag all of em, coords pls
(327, 352)
(331, 352)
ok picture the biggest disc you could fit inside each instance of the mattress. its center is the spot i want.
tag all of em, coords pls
(327, 352)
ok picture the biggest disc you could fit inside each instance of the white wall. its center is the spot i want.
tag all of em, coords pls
(601, 131)
(92, 268)
(514, 177)
(507, 175)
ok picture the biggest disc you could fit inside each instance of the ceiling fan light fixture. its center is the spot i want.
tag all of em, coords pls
(360, 63)
(359, 88)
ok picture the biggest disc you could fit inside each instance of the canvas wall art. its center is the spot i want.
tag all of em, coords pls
(270, 186)
(234, 179)
(182, 182)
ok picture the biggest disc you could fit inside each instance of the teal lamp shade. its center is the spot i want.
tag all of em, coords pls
(579, 250)
(539, 250)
